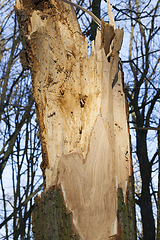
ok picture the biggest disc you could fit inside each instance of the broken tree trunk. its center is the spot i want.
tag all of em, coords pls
(82, 118)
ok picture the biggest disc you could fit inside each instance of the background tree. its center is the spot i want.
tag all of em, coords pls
(19, 146)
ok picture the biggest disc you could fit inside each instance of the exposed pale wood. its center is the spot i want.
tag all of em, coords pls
(107, 34)
(110, 15)
(81, 114)
(95, 19)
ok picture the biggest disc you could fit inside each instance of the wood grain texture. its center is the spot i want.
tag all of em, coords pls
(82, 118)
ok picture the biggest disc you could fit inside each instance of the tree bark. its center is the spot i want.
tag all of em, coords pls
(50, 219)
(126, 213)
(145, 199)
(96, 11)
(81, 112)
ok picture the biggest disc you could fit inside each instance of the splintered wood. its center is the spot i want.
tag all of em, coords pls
(82, 116)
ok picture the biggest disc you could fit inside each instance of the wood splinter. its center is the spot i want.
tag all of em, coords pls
(109, 32)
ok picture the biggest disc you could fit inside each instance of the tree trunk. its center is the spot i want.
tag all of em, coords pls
(96, 11)
(145, 199)
(82, 117)
(158, 202)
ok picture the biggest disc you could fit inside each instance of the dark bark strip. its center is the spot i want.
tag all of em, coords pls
(145, 199)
